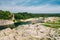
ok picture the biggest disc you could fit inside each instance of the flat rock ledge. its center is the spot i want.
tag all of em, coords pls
(30, 32)
(6, 22)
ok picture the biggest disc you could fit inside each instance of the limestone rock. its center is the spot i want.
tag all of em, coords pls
(30, 32)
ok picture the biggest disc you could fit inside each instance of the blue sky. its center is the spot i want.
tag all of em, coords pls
(34, 6)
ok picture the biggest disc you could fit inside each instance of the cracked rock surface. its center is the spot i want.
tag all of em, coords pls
(30, 32)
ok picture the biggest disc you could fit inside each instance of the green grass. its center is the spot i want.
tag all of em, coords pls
(54, 25)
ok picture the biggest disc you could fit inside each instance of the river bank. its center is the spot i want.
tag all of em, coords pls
(16, 23)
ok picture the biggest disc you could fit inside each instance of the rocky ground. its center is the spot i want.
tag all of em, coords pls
(6, 22)
(30, 32)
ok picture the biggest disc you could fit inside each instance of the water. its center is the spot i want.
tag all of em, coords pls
(2, 27)
(21, 23)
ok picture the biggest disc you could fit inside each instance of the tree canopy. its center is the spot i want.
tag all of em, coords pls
(24, 15)
(5, 15)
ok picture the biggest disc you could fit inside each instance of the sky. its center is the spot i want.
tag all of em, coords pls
(32, 6)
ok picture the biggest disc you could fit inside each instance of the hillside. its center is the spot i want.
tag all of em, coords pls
(30, 32)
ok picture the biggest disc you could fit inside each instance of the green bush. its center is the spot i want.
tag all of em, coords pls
(5, 15)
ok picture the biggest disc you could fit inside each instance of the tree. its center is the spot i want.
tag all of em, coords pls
(5, 15)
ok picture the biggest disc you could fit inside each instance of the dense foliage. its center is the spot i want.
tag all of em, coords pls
(24, 15)
(5, 15)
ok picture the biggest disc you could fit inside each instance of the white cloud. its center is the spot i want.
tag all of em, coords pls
(33, 9)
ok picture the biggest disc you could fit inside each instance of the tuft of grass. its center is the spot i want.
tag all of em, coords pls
(54, 25)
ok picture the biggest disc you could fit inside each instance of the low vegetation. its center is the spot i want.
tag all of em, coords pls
(52, 25)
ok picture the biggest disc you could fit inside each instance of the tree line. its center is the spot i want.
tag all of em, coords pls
(25, 15)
